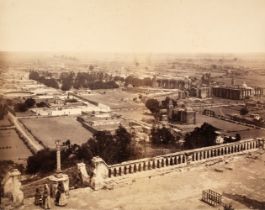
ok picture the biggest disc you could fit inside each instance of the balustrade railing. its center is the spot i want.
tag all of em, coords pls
(184, 157)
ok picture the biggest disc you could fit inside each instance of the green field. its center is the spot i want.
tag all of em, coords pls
(12, 147)
(57, 128)
(115, 98)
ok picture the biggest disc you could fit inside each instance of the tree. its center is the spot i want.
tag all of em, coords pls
(238, 137)
(113, 148)
(42, 104)
(201, 137)
(123, 141)
(30, 102)
(152, 105)
(165, 103)
(91, 67)
(51, 83)
(102, 144)
(228, 207)
(43, 161)
(34, 75)
(3, 111)
(21, 107)
(244, 111)
(67, 80)
(161, 136)
(66, 85)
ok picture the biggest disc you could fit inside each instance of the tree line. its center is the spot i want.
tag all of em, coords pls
(91, 80)
(113, 148)
(119, 147)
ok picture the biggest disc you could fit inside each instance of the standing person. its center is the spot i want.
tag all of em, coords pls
(53, 190)
(38, 197)
(46, 197)
(60, 198)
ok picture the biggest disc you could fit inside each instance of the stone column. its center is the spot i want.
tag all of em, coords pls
(59, 176)
(54, 181)
(248, 146)
(188, 158)
(255, 144)
(154, 164)
(164, 162)
(206, 154)
(121, 170)
(226, 150)
(140, 167)
(125, 169)
(58, 156)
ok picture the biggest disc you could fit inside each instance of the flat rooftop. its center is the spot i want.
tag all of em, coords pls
(239, 179)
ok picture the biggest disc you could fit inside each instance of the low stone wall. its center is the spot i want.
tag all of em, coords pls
(184, 158)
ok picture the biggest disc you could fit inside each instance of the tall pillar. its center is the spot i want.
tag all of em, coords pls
(58, 157)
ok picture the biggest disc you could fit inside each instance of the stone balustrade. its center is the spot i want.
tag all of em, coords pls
(184, 158)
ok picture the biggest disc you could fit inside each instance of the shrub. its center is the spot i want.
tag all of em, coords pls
(244, 111)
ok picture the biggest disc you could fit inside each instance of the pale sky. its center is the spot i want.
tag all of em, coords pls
(149, 26)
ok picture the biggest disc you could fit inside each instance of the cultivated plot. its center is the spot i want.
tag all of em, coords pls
(50, 129)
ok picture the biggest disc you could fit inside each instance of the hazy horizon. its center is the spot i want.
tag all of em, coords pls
(138, 26)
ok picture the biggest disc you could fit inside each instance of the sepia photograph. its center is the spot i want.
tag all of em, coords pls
(132, 104)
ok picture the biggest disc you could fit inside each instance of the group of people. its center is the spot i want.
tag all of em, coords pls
(43, 198)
